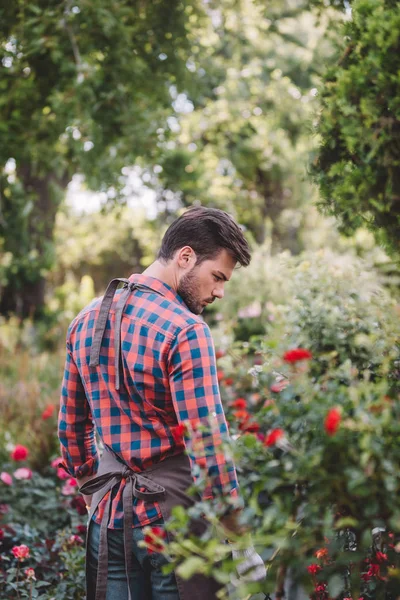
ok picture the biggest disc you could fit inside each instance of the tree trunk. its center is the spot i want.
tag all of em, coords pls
(29, 238)
(274, 204)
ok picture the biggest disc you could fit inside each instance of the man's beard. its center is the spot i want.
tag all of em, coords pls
(188, 290)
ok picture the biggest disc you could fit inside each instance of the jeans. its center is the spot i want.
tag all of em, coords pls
(146, 581)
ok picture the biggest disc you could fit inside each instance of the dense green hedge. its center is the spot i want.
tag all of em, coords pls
(359, 158)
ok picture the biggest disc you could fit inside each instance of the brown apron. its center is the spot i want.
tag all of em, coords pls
(165, 483)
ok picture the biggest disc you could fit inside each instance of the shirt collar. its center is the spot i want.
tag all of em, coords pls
(159, 286)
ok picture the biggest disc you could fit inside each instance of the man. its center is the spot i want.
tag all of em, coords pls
(139, 364)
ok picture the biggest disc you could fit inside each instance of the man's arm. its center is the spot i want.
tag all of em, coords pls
(76, 430)
(195, 394)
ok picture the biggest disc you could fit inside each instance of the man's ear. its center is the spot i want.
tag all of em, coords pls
(186, 257)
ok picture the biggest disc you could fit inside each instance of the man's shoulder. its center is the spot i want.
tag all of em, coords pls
(84, 315)
(165, 314)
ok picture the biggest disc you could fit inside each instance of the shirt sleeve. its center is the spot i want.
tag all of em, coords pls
(196, 398)
(76, 429)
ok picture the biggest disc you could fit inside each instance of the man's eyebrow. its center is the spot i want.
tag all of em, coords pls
(224, 277)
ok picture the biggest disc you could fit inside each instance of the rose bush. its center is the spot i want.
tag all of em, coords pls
(42, 532)
(318, 465)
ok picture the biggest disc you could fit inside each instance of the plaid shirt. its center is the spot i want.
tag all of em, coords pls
(169, 376)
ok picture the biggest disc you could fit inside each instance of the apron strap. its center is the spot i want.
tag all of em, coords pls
(105, 483)
(101, 322)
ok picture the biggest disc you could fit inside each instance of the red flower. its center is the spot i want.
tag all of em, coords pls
(381, 557)
(219, 354)
(251, 427)
(220, 375)
(1, 534)
(240, 403)
(373, 571)
(19, 452)
(155, 545)
(178, 433)
(229, 381)
(273, 437)
(81, 529)
(20, 552)
(332, 421)
(48, 412)
(297, 354)
(241, 415)
(79, 504)
(313, 569)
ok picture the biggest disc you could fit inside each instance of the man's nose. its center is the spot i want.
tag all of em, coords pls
(218, 292)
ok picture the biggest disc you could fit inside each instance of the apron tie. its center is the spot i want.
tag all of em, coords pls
(106, 483)
(101, 322)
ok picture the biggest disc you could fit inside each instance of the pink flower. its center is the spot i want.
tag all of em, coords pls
(23, 473)
(54, 463)
(75, 540)
(30, 573)
(19, 453)
(20, 552)
(279, 386)
(273, 437)
(72, 482)
(68, 490)
(1, 534)
(6, 478)
(62, 474)
(297, 354)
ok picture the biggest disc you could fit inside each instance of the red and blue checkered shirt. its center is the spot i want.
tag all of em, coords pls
(169, 376)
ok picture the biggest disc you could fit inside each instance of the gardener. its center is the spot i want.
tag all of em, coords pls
(140, 362)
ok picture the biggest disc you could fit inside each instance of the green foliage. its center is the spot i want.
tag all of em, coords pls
(83, 89)
(359, 159)
(29, 387)
(245, 144)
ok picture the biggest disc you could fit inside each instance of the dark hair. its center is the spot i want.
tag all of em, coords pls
(207, 231)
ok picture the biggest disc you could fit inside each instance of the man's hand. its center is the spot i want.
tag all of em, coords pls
(230, 523)
(251, 568)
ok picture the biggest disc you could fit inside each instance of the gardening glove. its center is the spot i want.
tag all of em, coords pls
(251, 566)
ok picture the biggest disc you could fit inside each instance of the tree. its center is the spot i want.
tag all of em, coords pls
(83, 88)
(243, 135)
(358, 164)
